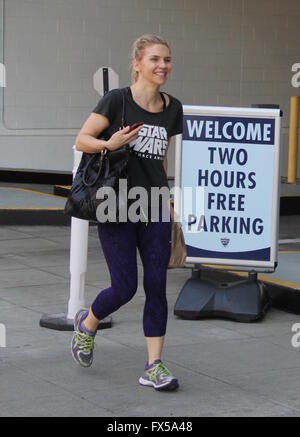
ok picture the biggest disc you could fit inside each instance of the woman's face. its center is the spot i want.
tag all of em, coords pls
(155, 65)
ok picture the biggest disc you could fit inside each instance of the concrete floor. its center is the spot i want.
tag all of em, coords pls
(224, 368)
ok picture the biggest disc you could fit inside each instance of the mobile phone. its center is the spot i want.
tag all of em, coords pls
(135, 125)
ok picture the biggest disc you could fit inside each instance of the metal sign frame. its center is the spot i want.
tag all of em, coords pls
(237, 264)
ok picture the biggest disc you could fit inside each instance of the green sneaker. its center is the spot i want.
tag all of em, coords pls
(159, 376)
(83, 343)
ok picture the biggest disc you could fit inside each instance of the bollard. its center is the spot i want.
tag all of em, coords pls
(78, 268)
(104, 79)
(78, 265)
(78, 255)
(294, 139)
(78, 260)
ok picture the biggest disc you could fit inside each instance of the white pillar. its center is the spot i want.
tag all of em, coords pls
(104, 80)
(78, 255)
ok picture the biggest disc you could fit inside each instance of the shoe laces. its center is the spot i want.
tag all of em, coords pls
(160, 367)
(84, 342)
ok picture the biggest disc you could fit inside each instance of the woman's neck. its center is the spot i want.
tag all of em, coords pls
(147, 96)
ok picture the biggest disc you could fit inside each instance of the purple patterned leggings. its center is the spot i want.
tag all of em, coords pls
(119, 243)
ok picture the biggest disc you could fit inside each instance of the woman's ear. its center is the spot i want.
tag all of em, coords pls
(135, 65)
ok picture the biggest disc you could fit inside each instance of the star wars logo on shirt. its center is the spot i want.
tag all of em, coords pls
(151, 143)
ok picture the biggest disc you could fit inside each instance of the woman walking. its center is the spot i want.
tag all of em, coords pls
(161, 115)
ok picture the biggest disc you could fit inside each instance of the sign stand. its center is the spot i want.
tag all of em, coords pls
(230, 158)
(104, 80)
(242, 301)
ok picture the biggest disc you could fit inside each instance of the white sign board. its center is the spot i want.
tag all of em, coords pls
(227, 166)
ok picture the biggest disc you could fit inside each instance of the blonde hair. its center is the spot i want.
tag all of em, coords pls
(138, 48)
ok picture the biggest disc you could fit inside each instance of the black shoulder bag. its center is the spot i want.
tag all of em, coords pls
(95, 171)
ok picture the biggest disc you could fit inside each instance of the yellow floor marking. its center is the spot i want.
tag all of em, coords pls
(261, 277)
(32, 191)
(33, 208)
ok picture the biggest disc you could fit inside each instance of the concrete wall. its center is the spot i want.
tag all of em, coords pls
(226, 52)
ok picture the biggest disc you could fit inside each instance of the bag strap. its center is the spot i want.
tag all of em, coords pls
(123, 109)
(103, 152)
(85, 172)
(164, 101)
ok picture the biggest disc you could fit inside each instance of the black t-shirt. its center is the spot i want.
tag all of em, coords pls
(145, 168)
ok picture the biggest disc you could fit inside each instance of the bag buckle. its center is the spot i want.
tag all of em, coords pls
(103, 152)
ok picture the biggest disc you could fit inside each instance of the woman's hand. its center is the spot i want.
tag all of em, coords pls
(121, 137)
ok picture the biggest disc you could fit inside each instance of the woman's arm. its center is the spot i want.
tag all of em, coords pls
(86, 141)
